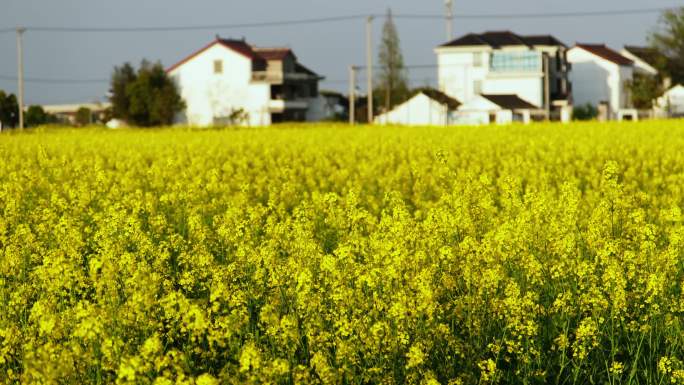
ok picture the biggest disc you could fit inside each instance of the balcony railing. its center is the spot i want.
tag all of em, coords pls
(516, 62)
(292, 104)
(279, 77)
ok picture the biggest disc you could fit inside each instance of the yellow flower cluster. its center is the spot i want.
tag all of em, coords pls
(336, 255)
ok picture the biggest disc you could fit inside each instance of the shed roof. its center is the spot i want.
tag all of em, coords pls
(510, 102)
(441, 97)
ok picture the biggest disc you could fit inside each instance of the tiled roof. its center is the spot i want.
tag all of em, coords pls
(497, 39)
(543, 40)
(647, 54)
(601, 50)
(441, 98)
(278, 53)
(510, 102)
(239, 46)
(302, 69)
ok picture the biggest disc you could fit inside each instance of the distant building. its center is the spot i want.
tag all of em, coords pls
(600, 76)
(499, 109)
(232, 82)
(671, 104)
(66, 113)
(534, 68)
(335, 105)
(426, 108)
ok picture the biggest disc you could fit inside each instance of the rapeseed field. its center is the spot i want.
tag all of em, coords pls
(541, 254)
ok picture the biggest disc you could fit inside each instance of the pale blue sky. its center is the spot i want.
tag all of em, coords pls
(326, 48)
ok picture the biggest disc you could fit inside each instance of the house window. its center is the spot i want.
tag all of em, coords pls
(477, 59)
(218, 66)
(516, 62)
(477, 87)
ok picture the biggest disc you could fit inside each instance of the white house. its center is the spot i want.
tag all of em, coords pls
(426, 108)
(532, 67)
(500, 109)
(600, 74)
(671, 104)
(232, 82)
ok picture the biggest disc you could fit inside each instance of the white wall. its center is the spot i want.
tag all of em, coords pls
(595, 79)
(527, 87)
(622, 93)
(671, 104)
(419, 110)
(318, 109)
(476, 111)
(504, 117)
(457, 72)
(210, 97)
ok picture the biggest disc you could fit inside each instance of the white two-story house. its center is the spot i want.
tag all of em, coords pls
(232, 82)
(534, 68)
(600, 75)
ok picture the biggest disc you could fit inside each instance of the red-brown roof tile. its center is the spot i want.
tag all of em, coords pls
(239, 46)
(601, 50)
(278, 53)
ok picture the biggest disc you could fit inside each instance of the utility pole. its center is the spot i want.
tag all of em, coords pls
(352, 95)
(449, 19)
(20, 77)
(369, 66)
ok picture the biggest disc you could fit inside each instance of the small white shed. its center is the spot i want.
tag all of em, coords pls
(671, 104)
(428, 107)
(500, 109)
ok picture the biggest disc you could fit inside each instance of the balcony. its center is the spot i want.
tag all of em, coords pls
(292, 104)
(267, 77)
(273, 77)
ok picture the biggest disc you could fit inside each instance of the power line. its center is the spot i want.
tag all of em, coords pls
(408, 16)
(199, 27)
(621, 12)
(358, 68)
(55, 81)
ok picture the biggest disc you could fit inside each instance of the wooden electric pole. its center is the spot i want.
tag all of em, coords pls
(369, 66)
(449, 19)
(20, 74)
(352, 95)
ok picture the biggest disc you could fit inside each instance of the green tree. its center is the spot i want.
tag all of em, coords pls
(392, 85)
(146, 98)
(644, 89)
(668, 39)
(585, 112)
(122, 77)
(84, 117)
(36, 116)
(9, 110)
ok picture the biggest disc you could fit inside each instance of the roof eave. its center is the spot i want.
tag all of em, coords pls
(191, 56)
